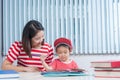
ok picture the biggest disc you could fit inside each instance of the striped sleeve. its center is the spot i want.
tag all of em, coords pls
(13, 51)
(50, 56)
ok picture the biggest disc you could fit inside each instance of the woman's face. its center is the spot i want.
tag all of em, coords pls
(37, 39)
(63, 53)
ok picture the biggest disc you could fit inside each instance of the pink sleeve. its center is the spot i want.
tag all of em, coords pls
(53, 64)
(75, 65)
(13, 52)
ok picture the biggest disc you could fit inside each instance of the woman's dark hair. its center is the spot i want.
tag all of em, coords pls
(29, 31)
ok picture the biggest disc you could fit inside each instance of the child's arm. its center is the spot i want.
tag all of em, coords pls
(46, 66)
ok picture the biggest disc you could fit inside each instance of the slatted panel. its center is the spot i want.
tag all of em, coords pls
(92, 25)
(0, 30)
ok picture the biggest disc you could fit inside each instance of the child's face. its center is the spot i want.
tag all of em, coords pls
(63, 53)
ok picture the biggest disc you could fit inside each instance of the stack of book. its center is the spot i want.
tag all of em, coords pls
(9, 75)
(106, 69)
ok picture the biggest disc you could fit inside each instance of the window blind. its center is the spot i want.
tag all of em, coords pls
(92, 25)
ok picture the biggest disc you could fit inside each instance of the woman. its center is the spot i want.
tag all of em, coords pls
(25, 51)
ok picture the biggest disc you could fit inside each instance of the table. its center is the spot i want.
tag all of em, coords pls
(38, 76)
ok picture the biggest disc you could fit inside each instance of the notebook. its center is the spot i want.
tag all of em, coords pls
(106, 64)
(8, 74)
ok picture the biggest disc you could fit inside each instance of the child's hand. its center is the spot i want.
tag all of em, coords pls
(78, 70)
(43, 57)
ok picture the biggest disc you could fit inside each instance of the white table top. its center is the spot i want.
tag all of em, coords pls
(38, 76)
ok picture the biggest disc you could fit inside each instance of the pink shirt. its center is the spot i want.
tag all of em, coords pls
(16, 52)
(58, 65)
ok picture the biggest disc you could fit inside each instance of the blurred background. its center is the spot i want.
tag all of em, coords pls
(92, 25)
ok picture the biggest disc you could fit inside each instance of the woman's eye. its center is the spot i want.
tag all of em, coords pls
(65, 52)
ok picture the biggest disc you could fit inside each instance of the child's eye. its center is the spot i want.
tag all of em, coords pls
(59, 52)
(65, 52)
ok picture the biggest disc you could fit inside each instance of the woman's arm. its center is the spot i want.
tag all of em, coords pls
(7, 65)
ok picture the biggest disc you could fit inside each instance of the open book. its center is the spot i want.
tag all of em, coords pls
(76, 72)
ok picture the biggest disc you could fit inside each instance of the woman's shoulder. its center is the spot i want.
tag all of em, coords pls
(47, 44)
(17, 43)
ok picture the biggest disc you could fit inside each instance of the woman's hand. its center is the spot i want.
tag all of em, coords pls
(31, 69)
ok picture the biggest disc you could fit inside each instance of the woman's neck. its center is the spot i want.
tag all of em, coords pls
(37, 47)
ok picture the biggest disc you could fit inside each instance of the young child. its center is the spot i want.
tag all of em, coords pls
(63, 48)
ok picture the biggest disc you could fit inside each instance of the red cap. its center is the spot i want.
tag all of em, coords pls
(63, 41)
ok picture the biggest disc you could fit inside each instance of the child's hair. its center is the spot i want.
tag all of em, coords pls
(63, 42)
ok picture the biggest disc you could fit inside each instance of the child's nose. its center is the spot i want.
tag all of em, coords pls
(63, 54)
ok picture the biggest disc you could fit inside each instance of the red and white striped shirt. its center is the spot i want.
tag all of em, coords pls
(16, 52)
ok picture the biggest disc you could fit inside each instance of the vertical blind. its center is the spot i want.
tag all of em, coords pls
(92, 25)
(0, 28)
